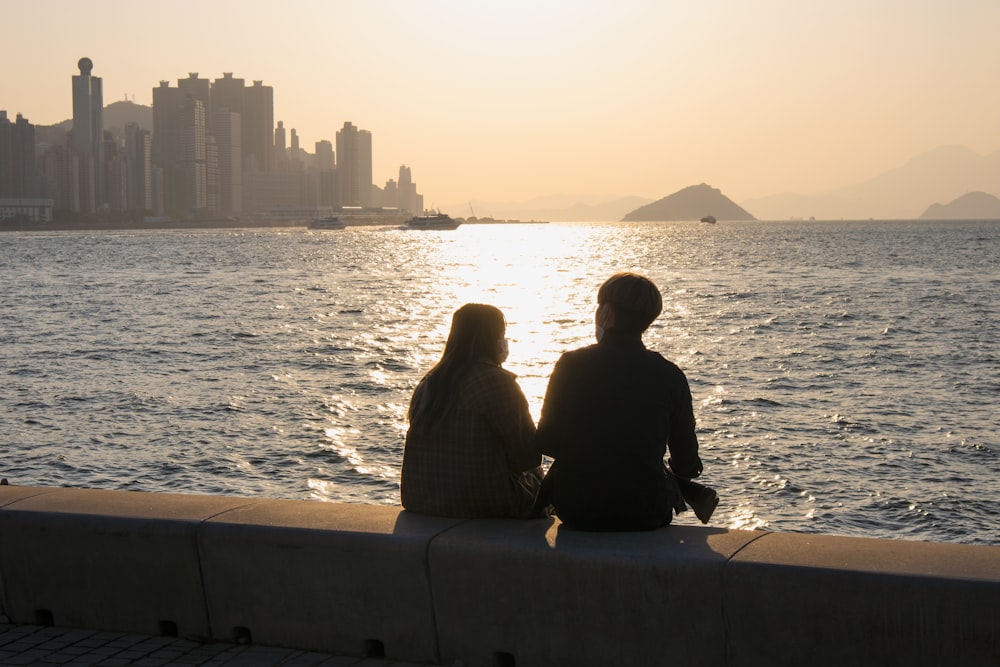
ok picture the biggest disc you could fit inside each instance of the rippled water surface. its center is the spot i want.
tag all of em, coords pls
(845, 374)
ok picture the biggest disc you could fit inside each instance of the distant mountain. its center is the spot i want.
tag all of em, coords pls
(942, 174)
(692, 203)
(117, 115)
(970, 206)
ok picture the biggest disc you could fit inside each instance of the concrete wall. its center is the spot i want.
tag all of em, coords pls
(373, 580)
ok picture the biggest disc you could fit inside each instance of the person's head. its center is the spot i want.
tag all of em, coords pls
(477, 332)
(628, 303)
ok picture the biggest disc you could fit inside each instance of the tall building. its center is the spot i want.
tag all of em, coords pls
(293, 151)
(258, 127)
(225, 127)
(407, 197)
(197, 88)
(255, 104)
(168, 105)
(139, 166)
(18, 166)
(354, 166)
(194, 158)
(60, 171)
(227, 94)
(280, 152)
(324, 155)
(87, 137)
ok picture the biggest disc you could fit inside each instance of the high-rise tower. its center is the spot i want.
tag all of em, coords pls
(258, 127)
(87, 138)
(354, 166)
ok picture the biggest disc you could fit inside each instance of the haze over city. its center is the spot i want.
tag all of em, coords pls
(523, 99)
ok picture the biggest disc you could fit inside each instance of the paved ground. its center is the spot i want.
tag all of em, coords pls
(42, 645)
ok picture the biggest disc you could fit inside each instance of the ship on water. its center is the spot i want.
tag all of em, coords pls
(360, 216)
(432, 221)
(329, 222)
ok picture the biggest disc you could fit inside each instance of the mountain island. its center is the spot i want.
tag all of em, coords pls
(970, 206)
(692, 203)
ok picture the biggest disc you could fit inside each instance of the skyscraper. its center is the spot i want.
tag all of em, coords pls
(138, 143)
(324, 155)
(354, 166)
(194, 158)
(225, 127)
(87, 137)
(280, 152)
(168, 105)
(258, 127)
(197, 88)
(18, 167)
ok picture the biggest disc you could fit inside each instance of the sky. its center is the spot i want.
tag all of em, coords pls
(509, 101)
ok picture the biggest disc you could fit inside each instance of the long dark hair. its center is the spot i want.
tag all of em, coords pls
(476, 331)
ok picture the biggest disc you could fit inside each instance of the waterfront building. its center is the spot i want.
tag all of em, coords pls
(60, 177)
(28, 210)
(354, 166)
(267, 192)
(18, 165)
(226, 94)
(194, 160)
(280, 152)
(407, 197)
(324, 155)
(139, 160)
(294, 157)
(168, 104)
(179, 144)
(258, 127)
(225, 126)
(87, 136)
(255, 104)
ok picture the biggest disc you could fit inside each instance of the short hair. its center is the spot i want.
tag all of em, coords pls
(635, 299)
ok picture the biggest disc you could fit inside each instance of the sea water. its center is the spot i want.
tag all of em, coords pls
(845, 374)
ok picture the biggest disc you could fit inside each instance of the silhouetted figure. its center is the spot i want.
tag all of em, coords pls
(470, 445)
(611, 411)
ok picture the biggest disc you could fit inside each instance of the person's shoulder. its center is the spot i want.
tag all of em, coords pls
(487, 372)
(580, 352)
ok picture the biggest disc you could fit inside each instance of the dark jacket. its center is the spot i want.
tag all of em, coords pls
(611, 410)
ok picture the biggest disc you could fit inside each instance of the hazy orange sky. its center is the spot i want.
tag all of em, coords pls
(505, 101)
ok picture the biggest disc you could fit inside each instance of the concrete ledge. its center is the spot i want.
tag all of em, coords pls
(117, 560)
(536, 593)
(321, 576)
(828, 600)
(378, 581)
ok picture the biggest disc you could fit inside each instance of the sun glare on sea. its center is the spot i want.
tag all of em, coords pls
(523, 270)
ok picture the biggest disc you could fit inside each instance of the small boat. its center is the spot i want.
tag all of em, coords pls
(434, 221)
(710, 219)
(329, 222)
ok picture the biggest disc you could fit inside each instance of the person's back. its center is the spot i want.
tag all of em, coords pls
(610, 412)
(470, 446)
(470, 464)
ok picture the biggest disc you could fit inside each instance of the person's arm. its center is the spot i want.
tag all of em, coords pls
(511, 419)
(683, 442)
(552, 423)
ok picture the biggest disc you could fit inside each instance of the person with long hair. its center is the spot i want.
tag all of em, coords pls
(470, 449)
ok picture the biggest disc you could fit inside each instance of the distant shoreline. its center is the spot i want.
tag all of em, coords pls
(134, 225)
(90, 226)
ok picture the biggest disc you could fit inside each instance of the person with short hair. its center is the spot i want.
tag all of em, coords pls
(469, 448)
(611, 412)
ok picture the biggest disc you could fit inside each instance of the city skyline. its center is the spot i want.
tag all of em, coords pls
(512, 102)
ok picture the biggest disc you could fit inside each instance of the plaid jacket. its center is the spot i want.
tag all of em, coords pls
(481, 460)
